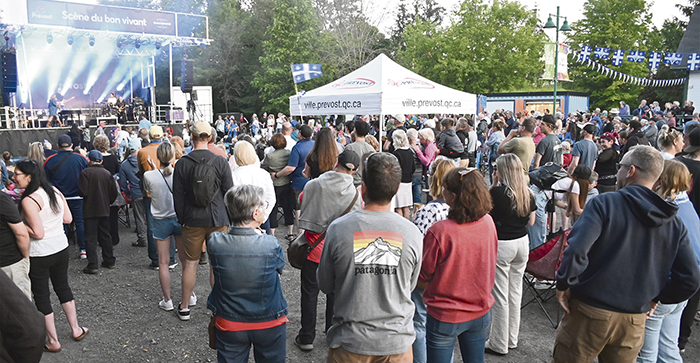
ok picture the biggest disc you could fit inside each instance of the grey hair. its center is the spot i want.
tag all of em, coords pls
(241, 201)
(400, 139)
(648, 161)
(165, 154)
(412, 135)
(427, 134)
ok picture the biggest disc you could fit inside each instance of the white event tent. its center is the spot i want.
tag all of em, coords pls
(382, 87)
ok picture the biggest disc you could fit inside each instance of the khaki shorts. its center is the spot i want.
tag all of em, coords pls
(340, 355)
(18, 272)
(193, 239)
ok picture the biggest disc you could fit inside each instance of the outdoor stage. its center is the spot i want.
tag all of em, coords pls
(17, 141)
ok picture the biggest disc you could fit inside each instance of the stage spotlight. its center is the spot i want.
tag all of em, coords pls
(158, 44)
(120, 42)
(137, 43)
(49, 38)
(70, 39)
(92, 41)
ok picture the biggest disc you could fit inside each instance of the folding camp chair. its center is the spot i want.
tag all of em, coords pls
(542, 265)
(123, 215)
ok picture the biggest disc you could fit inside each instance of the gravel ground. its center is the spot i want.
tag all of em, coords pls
(120, 307)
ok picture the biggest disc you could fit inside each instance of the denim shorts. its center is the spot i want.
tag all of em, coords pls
(164, 228)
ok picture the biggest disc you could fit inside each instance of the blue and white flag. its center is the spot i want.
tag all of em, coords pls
(602, 53)
(585, 54)
(673, 58)
(636, 56)
(618, 56)
(305, 71)
(654, 60)
(693, 61)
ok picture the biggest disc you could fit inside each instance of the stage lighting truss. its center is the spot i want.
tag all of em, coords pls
(120, 42)
(137, 43)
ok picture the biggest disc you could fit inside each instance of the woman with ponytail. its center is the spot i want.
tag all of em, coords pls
(670, 141)
(45, 211)
(159, 185)
(513, 210)
(459, 264)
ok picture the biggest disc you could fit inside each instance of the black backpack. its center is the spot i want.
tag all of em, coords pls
(546, 175)
(205, 182)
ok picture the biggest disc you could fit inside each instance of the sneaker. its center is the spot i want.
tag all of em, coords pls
(183, 314)
(90, 271)
(154, 266)
(83, 255)
(106, 265)
(173, 265)
(302, 346)
(166, 305)
(193, 300)
(203, 258)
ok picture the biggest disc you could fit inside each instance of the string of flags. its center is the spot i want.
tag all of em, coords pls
(639, 56)
(606, 71)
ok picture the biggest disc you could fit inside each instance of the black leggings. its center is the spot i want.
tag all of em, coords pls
(54, 267)
(285, 199)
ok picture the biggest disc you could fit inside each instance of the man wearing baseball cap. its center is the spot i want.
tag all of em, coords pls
(130, 183)
(98, 190)
(63, 170)
(399, 121)
(297, 161)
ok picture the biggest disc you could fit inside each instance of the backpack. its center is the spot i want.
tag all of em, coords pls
(546, 175)
(205, 182)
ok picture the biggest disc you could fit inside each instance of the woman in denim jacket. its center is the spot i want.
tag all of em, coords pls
(246, 297)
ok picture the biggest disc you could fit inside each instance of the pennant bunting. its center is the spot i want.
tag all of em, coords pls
(636, 56)
(693, 61)
(654, 60)
(673, 58)
(585, 54)
(602, 52)
(618, 56)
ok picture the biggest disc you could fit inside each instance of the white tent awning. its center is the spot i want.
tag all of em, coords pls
(382, 87)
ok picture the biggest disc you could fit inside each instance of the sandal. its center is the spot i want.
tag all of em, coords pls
(290, 237)
(81, 336)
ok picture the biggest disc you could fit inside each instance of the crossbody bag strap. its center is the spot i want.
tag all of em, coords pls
(166, 181)
(323, 235)
(60, 163)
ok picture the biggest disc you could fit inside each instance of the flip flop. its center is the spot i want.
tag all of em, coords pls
(46, 349)
(81, 336)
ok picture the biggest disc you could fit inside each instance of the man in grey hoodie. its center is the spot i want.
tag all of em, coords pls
(129, 183)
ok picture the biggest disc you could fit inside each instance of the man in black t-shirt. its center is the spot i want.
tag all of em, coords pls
(549, 149)
(14, 245)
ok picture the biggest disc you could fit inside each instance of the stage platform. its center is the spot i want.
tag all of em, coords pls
(17, 141)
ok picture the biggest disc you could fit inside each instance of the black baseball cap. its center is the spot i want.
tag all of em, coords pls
(64, 141)
(349, 160)
(306, 131)
(694, 141)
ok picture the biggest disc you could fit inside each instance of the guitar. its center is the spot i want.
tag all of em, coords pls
(62, 103)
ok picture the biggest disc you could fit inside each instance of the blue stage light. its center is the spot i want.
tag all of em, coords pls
(92, 40)
(70, 39)
(49, 38)
(158, 44)
(120, 42)
(137, 43)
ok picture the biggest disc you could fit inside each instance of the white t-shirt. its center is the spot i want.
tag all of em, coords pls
(162, 204)
(55, 239)
(563, 184)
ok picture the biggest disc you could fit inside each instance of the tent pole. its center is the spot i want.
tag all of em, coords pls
(381, 127)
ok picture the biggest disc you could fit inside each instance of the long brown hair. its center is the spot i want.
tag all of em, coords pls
(472, 197)
(324, 152)
(674, 179)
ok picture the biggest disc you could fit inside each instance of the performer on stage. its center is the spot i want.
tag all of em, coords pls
(112, 100)
(53, 112)
(121, 110)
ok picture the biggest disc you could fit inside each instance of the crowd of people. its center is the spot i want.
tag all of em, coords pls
(414, 246)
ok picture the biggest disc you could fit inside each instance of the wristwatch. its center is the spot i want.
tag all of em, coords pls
(275, 175)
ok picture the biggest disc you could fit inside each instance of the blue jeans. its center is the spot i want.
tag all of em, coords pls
(269, 345)
(76, 209)
(441, 338)
(419, 346)
(152, 246)
(661, 335)
(538, 231)
(417, 186)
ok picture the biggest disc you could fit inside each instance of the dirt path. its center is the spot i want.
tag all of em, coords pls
(120, 307)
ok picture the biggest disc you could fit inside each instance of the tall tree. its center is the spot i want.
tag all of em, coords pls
(665, 39)
(617, 24)
(423, 11)
(488, 48)
(292, 37)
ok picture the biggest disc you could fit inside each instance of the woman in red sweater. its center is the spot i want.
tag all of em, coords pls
(459, 265)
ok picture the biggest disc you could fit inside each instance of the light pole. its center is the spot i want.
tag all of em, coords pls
(565, 28)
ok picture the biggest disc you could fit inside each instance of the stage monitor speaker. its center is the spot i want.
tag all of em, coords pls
(9, 72)
(187, 75)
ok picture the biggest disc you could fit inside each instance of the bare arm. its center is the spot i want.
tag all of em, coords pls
(22, 235)
(574, 164)
(67, 215)
(31, 217)
(501, 150)
(533, 217)
(538, 158)
(286, 171)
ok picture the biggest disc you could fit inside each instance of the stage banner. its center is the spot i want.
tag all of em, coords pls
(563, 67)
(100, 17)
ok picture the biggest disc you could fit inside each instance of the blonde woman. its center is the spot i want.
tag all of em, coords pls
(36, 152)
(404, 197)
(513, 210)
(372, 141)
(670, 141)
(434, 211)
(249, 172)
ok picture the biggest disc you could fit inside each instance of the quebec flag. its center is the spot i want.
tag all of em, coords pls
(305, 71)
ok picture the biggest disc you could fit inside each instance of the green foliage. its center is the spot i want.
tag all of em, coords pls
(292, 37)
(665, 39)
(424, 11)
(618, 24)
(489, 48)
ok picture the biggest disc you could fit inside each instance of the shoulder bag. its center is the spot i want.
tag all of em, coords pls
(299, 249)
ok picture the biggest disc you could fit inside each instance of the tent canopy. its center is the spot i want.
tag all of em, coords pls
(382, 87)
